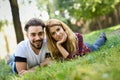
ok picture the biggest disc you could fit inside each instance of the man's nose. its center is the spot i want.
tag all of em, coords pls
(37, 37)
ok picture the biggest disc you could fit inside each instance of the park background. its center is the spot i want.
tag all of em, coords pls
(88, 17)
(82, 16)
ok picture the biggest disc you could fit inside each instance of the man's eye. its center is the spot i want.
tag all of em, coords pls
(41, 33)
(32, 34)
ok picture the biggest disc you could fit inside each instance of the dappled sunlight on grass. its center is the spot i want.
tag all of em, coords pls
(114, 28)
(91, 37)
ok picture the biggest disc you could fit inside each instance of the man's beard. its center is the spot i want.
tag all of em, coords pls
(32, 44)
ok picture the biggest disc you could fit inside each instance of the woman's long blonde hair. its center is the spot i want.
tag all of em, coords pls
(69, 45)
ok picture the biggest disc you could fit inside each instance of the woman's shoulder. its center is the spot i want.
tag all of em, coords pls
(78, 34)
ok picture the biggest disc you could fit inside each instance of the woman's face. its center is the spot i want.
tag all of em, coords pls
(57, 33)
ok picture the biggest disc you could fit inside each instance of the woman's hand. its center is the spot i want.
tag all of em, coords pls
(64, 38)
(62, 50)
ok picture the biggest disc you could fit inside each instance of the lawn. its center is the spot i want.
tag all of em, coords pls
(99, 65)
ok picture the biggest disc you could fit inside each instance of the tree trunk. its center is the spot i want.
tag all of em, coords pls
(118, 12)
(99, 23)
(16, 20)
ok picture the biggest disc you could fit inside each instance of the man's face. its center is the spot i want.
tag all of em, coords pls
(35, 34)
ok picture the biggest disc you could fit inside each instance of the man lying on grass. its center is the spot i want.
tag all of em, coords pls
(31, 52)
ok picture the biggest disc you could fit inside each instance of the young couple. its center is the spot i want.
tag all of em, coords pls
(61, 41)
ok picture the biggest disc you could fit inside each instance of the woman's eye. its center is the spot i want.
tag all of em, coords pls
(58, 29)
(53, 33)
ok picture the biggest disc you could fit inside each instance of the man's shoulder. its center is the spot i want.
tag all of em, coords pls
(22, 48)
(24, 43)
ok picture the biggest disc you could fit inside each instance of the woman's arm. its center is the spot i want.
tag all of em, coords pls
(62, 50)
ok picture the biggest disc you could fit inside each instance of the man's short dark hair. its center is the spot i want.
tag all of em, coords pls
(34, 22)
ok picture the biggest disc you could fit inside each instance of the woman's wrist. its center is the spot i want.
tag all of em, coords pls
(58, 45)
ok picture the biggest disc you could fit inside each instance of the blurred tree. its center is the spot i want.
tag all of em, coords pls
(86, 8)
(16, 20)
(46, 5)
(2, 23)
(50, 7)
(74, 11)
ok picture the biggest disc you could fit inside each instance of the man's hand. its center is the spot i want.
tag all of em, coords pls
(26, 71)
(22, 72)
(46, 62)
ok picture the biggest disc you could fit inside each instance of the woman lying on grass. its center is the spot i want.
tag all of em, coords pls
(64, 43)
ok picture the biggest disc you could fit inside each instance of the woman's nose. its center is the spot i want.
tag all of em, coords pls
(57, 33)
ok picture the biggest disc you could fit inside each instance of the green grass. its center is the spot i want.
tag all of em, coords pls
(99, 65)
